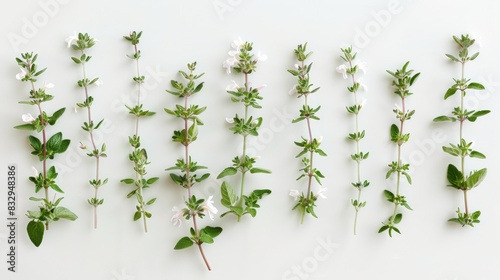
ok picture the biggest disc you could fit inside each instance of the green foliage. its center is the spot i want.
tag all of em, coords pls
(44, 149)
(456, 176)
(138, 155)
(310, 146)
(242, 61)
(403, 80)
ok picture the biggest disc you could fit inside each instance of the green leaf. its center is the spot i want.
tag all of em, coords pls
(398, 218)
(477, 114)
(394, 132)
(203, 177)
(205, 237)
(64, 213)
(57, 114)
(35, 143)
(183, 243)
(212, 231)
(35, 232)
(389, 195)
(26, 126)
(128, 181)
(260, 170)
(54, 142)
(228, 171)
(151, 201)
(454, 59)
(229, 197)
(476, 154)
(452, 151)
(444, 119)
(450, 92)
(475, 178)
(455, 177)
(383, 228)
(56, 188)
(477, 86)
(137, 215)
(151, 180)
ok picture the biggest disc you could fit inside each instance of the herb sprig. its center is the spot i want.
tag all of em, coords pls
(45, 149)
(457, 177)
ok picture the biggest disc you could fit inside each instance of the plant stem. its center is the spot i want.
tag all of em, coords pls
(94, 147)
(244, 152)
(462, 162)
(199, 244)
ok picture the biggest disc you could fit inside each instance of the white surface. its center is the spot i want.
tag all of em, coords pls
(269, 246)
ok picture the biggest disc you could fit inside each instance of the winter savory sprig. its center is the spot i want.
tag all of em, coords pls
(457, 176)
(351, 69)
(309, 145)
(403, 79)
(243, 62)
(45, 148)
(81, 43)
(138, 156)
(194, 207)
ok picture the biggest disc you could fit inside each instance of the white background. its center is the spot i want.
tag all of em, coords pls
(385, 33)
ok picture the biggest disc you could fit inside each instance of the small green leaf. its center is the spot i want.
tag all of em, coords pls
(183, 243)
(227, 172)
(128, 181)
(205, 237)
(260, 170)
(477, 86)
(476, 154)
(444, 119)
(26, 126)
(151, 201)
(229, 197)
(455, 177)
(394, 133)
(64, 213)
(35, 232)
(212, 231)
(398, 218)
(450, 92)
(475, 178)
(137, 215)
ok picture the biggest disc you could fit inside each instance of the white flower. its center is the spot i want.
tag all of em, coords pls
(177, 217)
(261, 57)
(319, 139)
(398, 109)
(75, 108)
(255, 122)
(21, 75)
(229, 120)
(362, 67)
(293, 90)
(321, 192)
(48, 85)
(296, 66)
(295, 194)
(82, 146)
(27, 118)
(256, 157)
(71, 40)
(233, 86)
(342, 69)
(229, 63)
(208, 206)
(34, 171)
(237, 44)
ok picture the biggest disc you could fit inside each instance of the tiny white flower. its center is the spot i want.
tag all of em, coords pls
(22, 74)
(342, 69)
(99, 82)
(27, 118)
(255, 122)
(48, 85)
(321, 192)
(261, 57)
(293, 90)
(256, 157)
(362, 67)
(34, 171)
(208, 206)
(229, 120)
(295, 194)
(177, 217)
(229, 63)
(82, 146)
(296, 66)
(236, 44)
(319, 139)
(232, 86)
(71, 40)
(75, 108)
